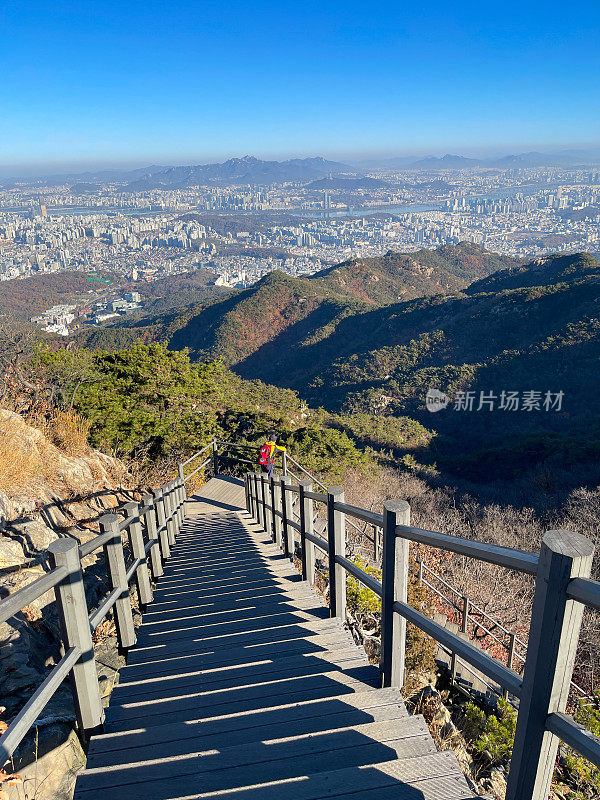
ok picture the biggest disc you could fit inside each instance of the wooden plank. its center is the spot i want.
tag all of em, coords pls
(224, 610)
(210, 673)
(260, 620)
(175, 739)
(241, 599)
(240, 638)
(262, 761)
(242, 698)
(401, 780)
(176, 685)
(159, 714)
(237, 655)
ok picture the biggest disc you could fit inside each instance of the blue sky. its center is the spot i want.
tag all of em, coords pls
(141, 82)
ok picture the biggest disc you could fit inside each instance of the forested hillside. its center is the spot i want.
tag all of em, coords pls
(369, 362)
(284, 312)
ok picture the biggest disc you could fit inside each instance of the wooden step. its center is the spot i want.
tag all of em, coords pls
(310, 716)
(238, 699)
(263, 761)
(255, 651)
(175, 684)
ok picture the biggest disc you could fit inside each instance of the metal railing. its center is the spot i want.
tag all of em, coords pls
(150, 530)
(562, 588)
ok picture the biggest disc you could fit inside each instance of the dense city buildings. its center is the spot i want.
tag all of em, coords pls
(243, 232)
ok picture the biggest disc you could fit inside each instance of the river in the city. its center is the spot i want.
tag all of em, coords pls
(301, 213)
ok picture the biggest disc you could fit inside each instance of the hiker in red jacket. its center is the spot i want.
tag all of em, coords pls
(267, 453)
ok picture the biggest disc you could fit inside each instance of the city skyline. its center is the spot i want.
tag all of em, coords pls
(193, 84)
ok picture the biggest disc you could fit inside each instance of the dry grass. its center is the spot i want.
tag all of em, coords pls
(68, 431)
(20, 461)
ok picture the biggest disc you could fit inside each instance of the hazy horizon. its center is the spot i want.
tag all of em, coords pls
(33, 169)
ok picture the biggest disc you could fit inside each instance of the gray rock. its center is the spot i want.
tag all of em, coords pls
(11, 552)
(34, 535)
(48, 762)
(5, 510)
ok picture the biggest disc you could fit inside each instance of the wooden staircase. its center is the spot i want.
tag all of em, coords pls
(241, 686)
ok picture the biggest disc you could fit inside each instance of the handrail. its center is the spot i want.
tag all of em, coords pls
(199, 453)
(202, 465)
(573, 591)
(508, 557)
(306, 472)
(585, 591)
(361, 513)
(320, 498)
(105, 606)
(18, 728)
(575, 735)
(367, 580)
(506, 677)
(472, 605)
(316, 540)
(12, 604)
(158, 522)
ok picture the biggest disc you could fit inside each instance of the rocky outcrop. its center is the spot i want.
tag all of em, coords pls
(65, 496)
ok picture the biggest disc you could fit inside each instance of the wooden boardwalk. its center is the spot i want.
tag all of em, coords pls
(241, 686)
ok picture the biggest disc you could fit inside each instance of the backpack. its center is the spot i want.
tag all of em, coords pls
(264, 455)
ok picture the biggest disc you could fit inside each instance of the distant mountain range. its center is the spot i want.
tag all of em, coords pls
(246, 170)
(251, 170)
(514, 161)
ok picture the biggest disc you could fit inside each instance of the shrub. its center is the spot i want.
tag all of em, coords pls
(361, 600)
(493, 734)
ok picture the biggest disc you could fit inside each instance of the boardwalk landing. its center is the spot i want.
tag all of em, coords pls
(242, 687)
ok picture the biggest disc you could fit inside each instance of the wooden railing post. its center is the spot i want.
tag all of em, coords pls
(246, 492)
(159, 505)
(276, 493)
(136, 543)
(115, 559)
(257, 496)
(287, 532)
(336, 539)
(284, 467)
(215, 456)
(150, 523)
(180, 496)
(306, 526)
(251, 496)
(271, 503)
(170, 513)
(553, 635)
(395, 587)
(75, 630)
(263, 493)
(259, 509)
(182, 491)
